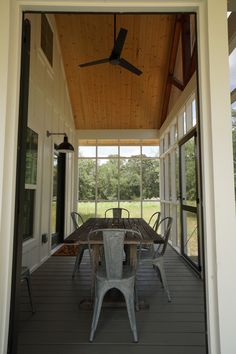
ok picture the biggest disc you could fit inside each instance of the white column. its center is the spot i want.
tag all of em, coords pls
(9, 70)
(218, 189)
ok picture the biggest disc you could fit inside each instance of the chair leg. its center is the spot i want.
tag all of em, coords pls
(80, 257)
(28, 280)
(96, 312)
(158, 274)
(129, 299)
(78, 261)
(136, 298)
(161, 268)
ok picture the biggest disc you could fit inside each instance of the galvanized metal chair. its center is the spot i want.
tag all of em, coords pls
(117, 212)
(113, 274)
(155, 256)
(77, 219)
(155, 220)
(25, 275)
(77, 222)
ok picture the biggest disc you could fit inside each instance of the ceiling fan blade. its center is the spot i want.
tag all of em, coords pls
(119, 43)
(126, 65)
(95, 62)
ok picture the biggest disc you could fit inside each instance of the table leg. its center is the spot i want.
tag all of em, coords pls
(133, 255)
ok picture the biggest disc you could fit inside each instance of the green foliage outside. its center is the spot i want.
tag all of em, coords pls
(87, 179)
(109, 179)
(190, 172)
(121, 176)
(128, 180)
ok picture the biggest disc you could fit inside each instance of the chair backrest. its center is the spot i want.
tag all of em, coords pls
(76, 219)
(155, 220)
(113, 242)
(164, 227)
(117, 212)
(113, 246)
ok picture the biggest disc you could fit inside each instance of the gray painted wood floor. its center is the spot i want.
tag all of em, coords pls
(60, 326)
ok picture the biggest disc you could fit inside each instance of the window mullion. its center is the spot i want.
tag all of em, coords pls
(141, 181)
(96, 180)
(118, 196)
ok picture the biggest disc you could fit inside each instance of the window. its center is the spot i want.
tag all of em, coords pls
(184, 123)
(30, 183)
(194, 112)
(118, 176)
(47, 39)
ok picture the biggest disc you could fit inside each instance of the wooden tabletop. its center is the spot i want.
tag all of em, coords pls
(81, 234)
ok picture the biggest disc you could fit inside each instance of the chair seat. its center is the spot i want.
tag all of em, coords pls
(157, 241)
(127, 274)
(157, 261)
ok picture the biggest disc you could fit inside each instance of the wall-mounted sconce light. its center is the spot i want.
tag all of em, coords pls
(65, 147)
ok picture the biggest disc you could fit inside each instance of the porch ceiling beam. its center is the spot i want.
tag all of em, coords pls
(177, 83)
(193, 63)
(186, 49)
(232, 31)
(171, 66)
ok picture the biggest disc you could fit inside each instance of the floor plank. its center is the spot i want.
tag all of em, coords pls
(61, 326)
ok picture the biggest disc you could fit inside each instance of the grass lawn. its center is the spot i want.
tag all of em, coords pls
(87, 209)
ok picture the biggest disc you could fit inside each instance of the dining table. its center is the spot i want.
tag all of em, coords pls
(148, 234)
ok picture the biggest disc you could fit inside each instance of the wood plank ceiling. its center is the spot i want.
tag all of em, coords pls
(107, 96)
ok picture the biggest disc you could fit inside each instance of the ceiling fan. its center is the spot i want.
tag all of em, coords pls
(115, 57)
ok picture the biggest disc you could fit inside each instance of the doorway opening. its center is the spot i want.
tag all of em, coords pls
(174, 83)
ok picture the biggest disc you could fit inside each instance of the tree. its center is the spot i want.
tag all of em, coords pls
(129, 178)
(190, 170)
(108, 180)
(87, 168)
(151, 177)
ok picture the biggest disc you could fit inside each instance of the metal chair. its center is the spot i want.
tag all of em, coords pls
(113, 274)
(156, 255)
(25, 275)
(76, 219)
(77, 222)
(117, 212)
(155, 220)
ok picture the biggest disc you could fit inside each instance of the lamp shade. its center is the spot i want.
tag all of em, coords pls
(65, 147)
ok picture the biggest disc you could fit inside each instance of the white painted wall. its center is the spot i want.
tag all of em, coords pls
(219, 211)
(49, 109)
